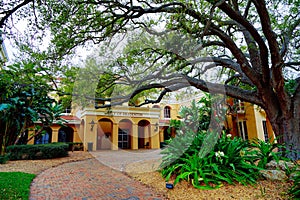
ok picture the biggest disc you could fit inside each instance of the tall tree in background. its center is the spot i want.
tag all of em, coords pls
(255, 43)
(24, 100)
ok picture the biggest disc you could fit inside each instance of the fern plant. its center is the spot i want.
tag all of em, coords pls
(295, 189)
(264, 152)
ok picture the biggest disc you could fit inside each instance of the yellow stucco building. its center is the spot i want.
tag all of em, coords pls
(126, 127)
(119, 127)
(248, 121)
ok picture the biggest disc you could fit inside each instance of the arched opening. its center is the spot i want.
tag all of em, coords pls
(167, 133)
(124, 134)
(45, 137)
(104, 133)
(144, 131)
(167, 112)
(65, 134)
(156, 106)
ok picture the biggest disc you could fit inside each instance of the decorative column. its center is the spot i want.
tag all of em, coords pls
(30, 133)
(154, 137)
(90, 132)
(55, 134)
(134, 137)
(114, 137)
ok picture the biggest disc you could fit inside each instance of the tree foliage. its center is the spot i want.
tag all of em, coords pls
(24, 100)
(254, 45)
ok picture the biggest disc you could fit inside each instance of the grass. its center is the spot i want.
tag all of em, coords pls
(15, 185)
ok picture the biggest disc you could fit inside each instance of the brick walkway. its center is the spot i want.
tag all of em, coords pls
(87, 180)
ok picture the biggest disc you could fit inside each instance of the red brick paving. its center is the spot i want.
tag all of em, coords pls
(86, 180)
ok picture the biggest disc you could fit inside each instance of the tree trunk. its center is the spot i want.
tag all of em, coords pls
(287, 131)
(291, 138)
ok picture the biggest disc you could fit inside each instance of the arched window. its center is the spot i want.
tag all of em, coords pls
(167, 112)
(65, 134)
(44, 137)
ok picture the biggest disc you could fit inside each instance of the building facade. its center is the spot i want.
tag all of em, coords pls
(248, 121)
(125, 127)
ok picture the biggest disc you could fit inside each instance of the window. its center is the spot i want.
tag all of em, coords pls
(42, 139)
(123, 138)
(264, 122)
(62, 136)
(45, 137)
(167, 112)
(240, 106)
(242, 129)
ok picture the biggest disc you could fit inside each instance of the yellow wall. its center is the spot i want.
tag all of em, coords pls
(254, 117)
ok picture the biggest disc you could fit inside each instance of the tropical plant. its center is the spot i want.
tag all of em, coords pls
(24, 100)
(226, 160)
(295, 189)
(265, 151)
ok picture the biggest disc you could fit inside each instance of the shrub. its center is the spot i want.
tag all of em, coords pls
(39, 151)
(75, 146)
(295, 189)
(264, 152)
(4, 158)
(226, 162)
(205, 158)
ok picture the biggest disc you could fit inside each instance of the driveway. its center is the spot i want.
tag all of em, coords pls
(98, 178)
(144, 160)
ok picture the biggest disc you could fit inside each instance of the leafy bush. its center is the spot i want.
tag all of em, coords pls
(40, 151)
(15, 185)
(264, 152)
(295, 189)
(4, 158)
(75, 146)
(205, 158)
(226, 162)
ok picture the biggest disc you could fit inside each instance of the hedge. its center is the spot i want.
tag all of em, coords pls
(4, 158)
(38, 151)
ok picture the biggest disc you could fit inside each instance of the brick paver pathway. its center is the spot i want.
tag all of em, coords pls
(86, 180)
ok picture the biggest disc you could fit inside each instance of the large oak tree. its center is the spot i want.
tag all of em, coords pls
(255, 43)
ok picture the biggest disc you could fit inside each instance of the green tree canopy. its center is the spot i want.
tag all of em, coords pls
(255, 44)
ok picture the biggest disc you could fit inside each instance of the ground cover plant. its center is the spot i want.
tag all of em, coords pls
(226, 162)
(192, 156)
(15, 185)
(295, 189)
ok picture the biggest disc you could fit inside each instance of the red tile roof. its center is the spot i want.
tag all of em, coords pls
(69, 117)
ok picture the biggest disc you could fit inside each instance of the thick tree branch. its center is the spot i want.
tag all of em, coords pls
(9, 13)
(256, 36)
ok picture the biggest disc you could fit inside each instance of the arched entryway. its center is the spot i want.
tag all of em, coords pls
(65, 134)
(124, 134)
(45, 137)
(167, 133)
(144, 130)
(104, 133)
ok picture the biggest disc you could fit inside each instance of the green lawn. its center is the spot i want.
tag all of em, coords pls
(15, 185)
